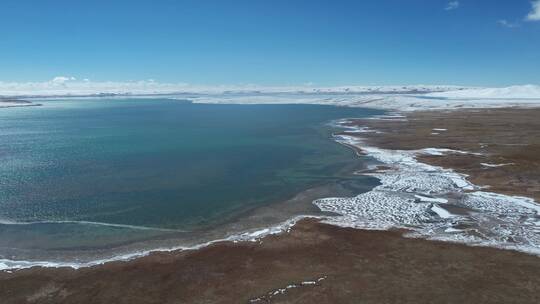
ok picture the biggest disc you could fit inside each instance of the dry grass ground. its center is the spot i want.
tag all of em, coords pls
(358, 267)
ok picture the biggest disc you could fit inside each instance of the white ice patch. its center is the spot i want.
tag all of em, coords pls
(462, 183)
(377, 209)
(495, 165)
(354, 129)
(500, 203)
(442, 151)
(259, 233)
(431, 199)
(513, 92)
(389, 116)
(441, 212)
(267, 298)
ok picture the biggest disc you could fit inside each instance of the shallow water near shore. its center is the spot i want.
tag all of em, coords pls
(81, 178)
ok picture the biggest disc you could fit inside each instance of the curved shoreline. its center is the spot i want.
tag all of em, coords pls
(96, 243)
(425, 211)
(239, 272)
(246, 226)
(8, 265)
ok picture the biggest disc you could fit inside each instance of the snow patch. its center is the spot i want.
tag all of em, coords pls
(495, 165)
(441, 212)
(431, 199)
(443, 151)
(513, 92)
(269, 295)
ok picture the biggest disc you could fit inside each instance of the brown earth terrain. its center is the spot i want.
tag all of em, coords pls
(325, 264)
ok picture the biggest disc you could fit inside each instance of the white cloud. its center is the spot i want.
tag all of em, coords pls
(507, 23)
(68, 85)
(534, 15)
(62, 79)
(452, 5)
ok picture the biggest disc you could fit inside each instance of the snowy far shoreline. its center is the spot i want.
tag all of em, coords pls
(401, 98)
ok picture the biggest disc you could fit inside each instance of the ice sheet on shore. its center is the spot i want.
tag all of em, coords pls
(410, 197)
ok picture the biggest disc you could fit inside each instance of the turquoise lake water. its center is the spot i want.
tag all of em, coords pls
(86, 173)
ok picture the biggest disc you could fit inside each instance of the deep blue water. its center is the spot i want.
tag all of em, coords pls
(153, 163)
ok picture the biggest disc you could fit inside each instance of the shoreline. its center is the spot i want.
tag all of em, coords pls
(287, 267)
(237, 229)
(421, 193)
(435, 209)
(16, 103)
(248, 225)
(331, 259)
(9, 266)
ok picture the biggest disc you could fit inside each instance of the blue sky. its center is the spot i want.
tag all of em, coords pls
(278, 42)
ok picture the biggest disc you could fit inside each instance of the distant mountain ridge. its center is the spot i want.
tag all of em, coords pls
(70, 86)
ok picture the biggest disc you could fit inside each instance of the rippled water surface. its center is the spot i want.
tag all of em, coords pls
(88, 173)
